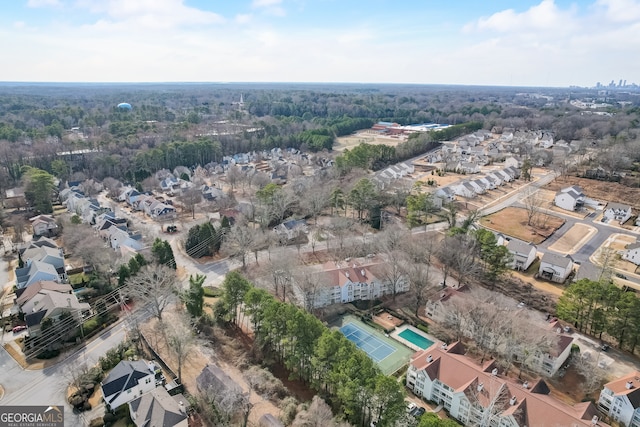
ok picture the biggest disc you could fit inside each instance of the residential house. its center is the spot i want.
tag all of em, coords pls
(464, 189)
(620, 400)
(291, 229)
(48, 300)
(34, 271)
(478, 186)
(220, 388)
(447, 194)
(169, 184)
(39, 242)
(118, 237)
(468, 167)
(44, 225)
(127, 381)
(617, 212)
(511, 162)
(497, 178)
(632, 253)
(523, 254)
(14, 198)
(158, 409)
(487, 182)
(512, 171)
(211, 193)
(546, 141)
(570, 198)
(555, 268)
(478, 394)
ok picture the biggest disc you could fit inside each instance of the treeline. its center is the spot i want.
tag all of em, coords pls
(602, 308)
(324, 137)
(313, 353)
(376, 157)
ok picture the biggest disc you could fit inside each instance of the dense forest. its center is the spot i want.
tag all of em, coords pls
(195, 124)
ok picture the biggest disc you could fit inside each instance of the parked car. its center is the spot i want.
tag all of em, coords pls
(605, 347)
(417, 412)
(622, 276)
(411, 406)
(19, 328)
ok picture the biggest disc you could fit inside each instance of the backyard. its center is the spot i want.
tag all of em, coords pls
(513, 222)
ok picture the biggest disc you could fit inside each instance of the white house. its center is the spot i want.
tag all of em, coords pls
(488, 182)
(620, 399)
(447, 194)
(523, 254)
(346, 282)
(497, 178)
(632, 253)
(570, 198)
(555, 268)
(617, 212)
(477, 394)
(464, 189)
(478, 186)
(44, 225)
(128, 381)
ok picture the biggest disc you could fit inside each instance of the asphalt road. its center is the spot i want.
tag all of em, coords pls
(48, 386)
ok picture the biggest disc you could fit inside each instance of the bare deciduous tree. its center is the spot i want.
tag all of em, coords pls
(239, 242)
(155, 287)
(533, 203)
(190, 198)
(181, 342)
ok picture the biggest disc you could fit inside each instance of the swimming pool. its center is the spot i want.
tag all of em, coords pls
(416, 339)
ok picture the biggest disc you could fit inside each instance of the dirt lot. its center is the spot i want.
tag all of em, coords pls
(513, 222)
(351, 141)
(600, 190)
(445, 180)
(199, 358)
(573, 239)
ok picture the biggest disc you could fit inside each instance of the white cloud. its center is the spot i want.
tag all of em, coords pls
(269, 7)
(243, 18)
(151, 13)
(544, 16)
(620, 10)
(43, 3)
(19, 24)
(265, 3)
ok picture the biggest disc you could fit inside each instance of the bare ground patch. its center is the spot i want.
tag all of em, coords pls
(600, 190)
(513, 222)
(573, 239)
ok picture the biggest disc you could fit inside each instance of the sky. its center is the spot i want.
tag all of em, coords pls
(467, 42)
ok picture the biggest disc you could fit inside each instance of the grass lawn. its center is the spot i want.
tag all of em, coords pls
(513, 222)
(76, 279)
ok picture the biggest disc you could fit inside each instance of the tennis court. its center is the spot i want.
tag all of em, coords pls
(388, 354)
(375, 348)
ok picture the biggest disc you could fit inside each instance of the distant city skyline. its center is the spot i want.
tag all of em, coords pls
(533, 43)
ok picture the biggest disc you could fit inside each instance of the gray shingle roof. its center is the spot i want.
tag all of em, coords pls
(557, 260)
(158, 409)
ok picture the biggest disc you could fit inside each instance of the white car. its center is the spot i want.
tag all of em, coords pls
(411, 406)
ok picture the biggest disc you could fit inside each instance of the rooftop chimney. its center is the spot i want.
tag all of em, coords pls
(494, 372)
(444, 347)
(594, 420)
(513, 400)
(362, 273)
(629, 385)
(429, 359)
(182, 408)
(480, 387)
(525, 384)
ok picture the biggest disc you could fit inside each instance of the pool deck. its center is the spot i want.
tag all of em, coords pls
(396, 336)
